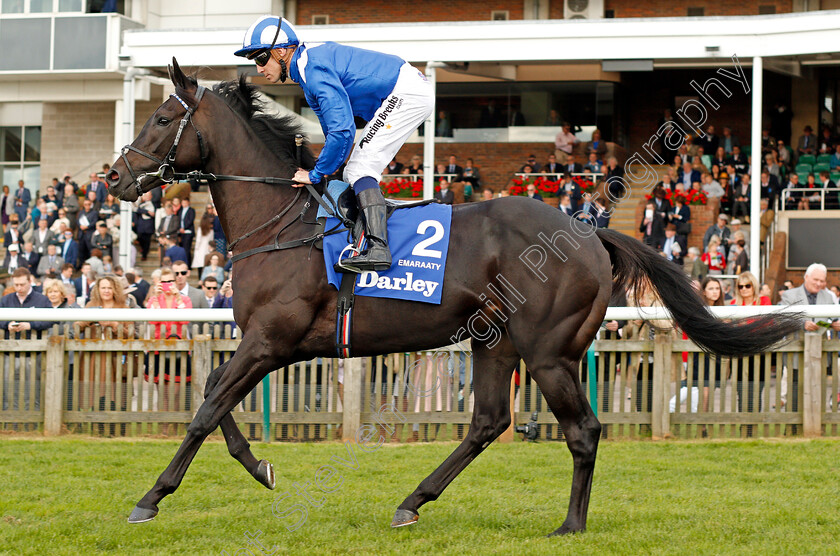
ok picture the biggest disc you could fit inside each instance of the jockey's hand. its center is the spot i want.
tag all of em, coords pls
(301, 177)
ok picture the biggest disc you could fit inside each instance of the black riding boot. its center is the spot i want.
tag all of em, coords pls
(377, 256)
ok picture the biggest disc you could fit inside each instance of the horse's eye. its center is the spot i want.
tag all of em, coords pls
(163, 121)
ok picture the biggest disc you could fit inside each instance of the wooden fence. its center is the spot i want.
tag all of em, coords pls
(92, 383)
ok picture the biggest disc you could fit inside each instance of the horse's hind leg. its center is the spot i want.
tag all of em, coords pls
(565, 397)
(491, 417)
(238, 447)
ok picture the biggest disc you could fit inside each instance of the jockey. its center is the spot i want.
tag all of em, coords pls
(340, 82)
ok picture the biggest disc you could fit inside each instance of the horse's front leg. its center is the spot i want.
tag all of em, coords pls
(249, 365)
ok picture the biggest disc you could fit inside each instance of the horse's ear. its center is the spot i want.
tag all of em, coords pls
(179, 79)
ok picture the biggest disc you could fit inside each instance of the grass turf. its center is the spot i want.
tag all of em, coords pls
(72, 496)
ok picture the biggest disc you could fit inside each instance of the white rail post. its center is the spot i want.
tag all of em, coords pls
(352, 416)
(660, 416)
(812, 400)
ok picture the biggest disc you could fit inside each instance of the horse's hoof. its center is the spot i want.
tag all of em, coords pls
(265, 474)
(565, 530)
(404, 517)
(142, 515)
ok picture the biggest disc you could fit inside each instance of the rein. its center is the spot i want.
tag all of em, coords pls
(167, 174)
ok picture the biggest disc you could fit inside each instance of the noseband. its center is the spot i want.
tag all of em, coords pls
(166, 171)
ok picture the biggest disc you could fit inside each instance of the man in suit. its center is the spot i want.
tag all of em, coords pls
(453, 168)
(99, 188)
(168, 224)
(738, 160)
(66, 277)
(445, 194)
(69, 249)
(83, 284)
(182, 271)
(144, 224)
(30, 256)
(102, 240)
(831, 201)
(565, 204)
(13, 234)
(532, 162)
(710, 141)
(769, 186)
(571, 188)
(42, 236)
(688, 175)
(50, 262)
(172, 250)
(666, 244)
(719, 229)
(807, 142)
(571, 166)
(141, 287)
(186, 221)
(87, 225)
(22, 199)
(811, 292)
(552, 166)
(532, 193)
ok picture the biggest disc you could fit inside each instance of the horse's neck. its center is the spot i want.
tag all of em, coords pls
(244, 205)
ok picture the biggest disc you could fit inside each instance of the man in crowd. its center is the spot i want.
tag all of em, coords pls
(666, 245)
(66, 276)
(172, 250)
(50, 263)
(445, 195)
(13, 261)
(564, 142)
(552, 166)
(807, 142)
(532, 193)
(42, 236)
(210, 287)
(30, 256)
(83, 284)
(182, 272)
(141, 286)
(102, 240)
(453, 168)
(69, 248)
(13, 234)
(719, 229)
(571, 166)
(99, 189)
(22, 199)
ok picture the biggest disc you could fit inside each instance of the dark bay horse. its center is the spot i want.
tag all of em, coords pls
(563, 273)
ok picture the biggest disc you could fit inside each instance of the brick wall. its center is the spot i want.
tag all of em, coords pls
(397, 11)
(496, 161)
(679, 8)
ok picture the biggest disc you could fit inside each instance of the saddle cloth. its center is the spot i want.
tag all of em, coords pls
(419, 240)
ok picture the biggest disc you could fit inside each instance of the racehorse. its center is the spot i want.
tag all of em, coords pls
(564, 271)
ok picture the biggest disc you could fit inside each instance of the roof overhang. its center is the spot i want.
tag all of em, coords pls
(694, 41)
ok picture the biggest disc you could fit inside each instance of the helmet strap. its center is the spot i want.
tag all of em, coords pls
(283, 70)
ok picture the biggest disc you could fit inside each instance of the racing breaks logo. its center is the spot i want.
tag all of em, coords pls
(393, 103)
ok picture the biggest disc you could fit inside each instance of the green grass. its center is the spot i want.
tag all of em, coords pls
(72, 496)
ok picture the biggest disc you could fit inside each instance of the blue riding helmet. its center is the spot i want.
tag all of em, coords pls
(264, 34)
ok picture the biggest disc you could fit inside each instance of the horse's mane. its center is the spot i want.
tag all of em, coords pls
(276, 132)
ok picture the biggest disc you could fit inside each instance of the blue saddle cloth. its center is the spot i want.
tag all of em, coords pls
(419, 241)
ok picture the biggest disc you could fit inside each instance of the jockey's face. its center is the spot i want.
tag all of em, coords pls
(272, 70)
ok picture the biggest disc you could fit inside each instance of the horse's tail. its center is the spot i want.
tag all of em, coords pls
(634, 264)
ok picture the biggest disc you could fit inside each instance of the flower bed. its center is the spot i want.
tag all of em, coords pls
(402, 188)
(692, 197)
(547, 187)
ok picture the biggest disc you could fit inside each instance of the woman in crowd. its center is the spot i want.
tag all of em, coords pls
(681, 216)
(105, 371)
(472, 179)
(110, 208)
(713, 258)
(712, 293)
(203, 241)
(746, 294)
(415, 166)
(61, 219)
(55, 292)
(214, 267)
(772, 165)
(596, 145)
(7, 207)
(165, 295)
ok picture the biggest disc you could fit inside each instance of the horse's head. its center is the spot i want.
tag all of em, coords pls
(169, 142)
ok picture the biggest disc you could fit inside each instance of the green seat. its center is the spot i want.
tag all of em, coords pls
(835, 177)
(803, 178)
(800, 168)
(824, 159)
(821, 167)
(807, 159)
(747, 150)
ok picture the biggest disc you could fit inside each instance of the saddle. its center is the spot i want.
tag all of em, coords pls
(341, 196)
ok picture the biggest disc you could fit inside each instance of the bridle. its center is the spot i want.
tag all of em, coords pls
(166, 173)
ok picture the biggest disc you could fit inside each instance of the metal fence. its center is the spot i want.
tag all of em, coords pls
(91, 382)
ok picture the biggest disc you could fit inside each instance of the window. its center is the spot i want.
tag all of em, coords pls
(499, 15)
(20, 156)
(696, 12)
(766, 9)
(320, 20)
